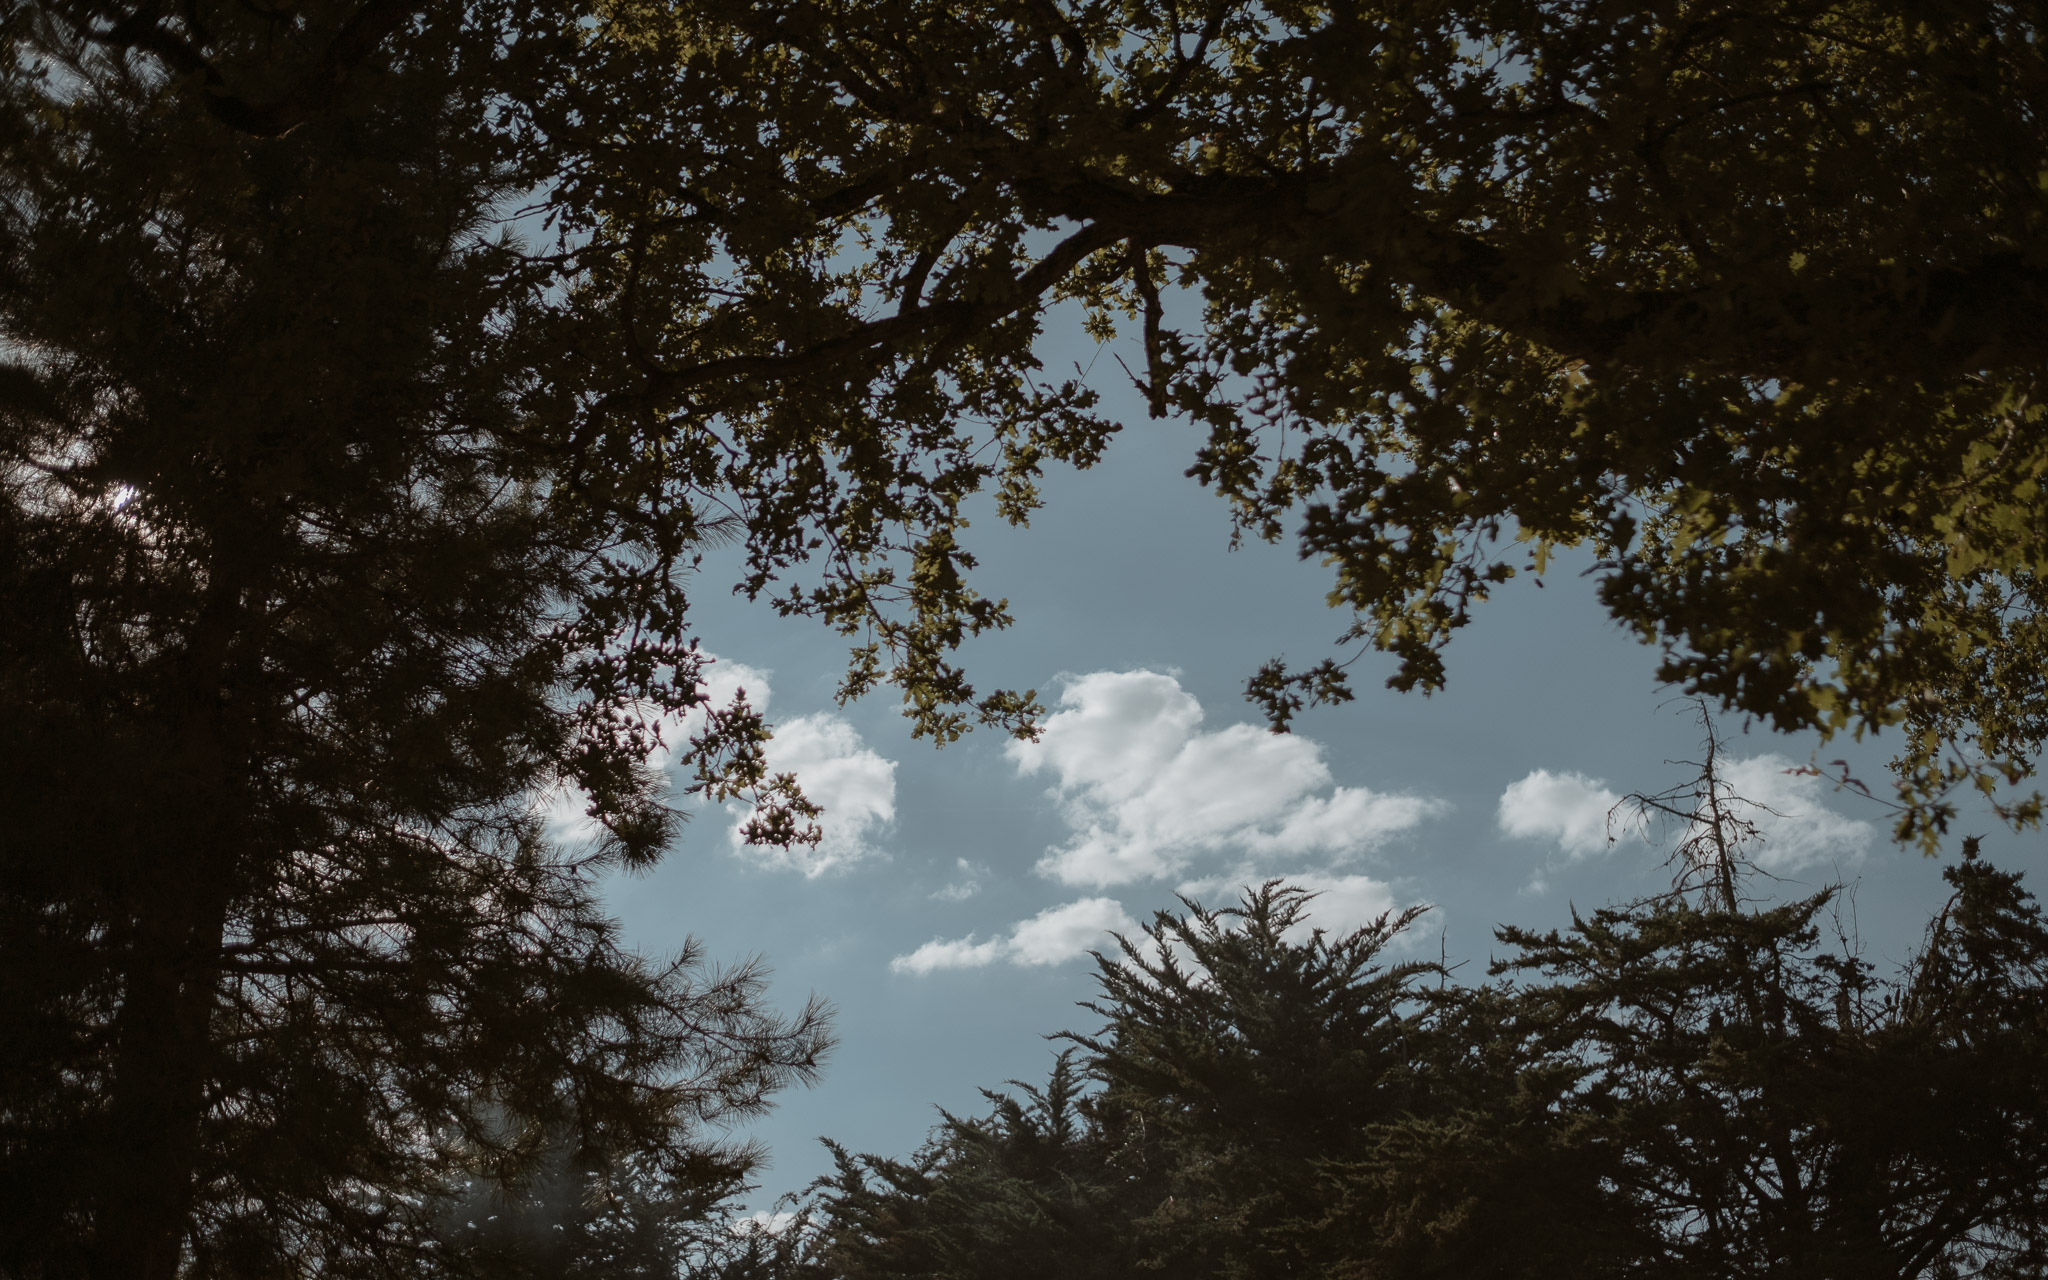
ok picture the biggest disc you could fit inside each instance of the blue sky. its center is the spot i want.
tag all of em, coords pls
(948, 912)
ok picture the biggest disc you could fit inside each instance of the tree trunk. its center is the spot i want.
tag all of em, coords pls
(174, 909)
(158, 1093)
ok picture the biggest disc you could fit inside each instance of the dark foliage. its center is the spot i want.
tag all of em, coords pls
(302, 625)
(1682, 1087)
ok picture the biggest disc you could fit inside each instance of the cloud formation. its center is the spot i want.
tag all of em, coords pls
(852, 783)
(1147, 791)
(965, 887)
(1567, 809)
(1053, 936)
(1798, 829)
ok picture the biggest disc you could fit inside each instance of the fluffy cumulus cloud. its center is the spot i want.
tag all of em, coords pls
(1798, 828)
(1566, 809)
(855, 786)
(1054, 935)
(1147, 791)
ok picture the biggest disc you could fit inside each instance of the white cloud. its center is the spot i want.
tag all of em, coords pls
(762, 1222)
(1344, 903)
(1146, 791)
(1569, 809)
(950, 953)
(964, 888)
(1053, 936)
(1798, 829)
(855, 786)
(1060, 933)
(1801, 830)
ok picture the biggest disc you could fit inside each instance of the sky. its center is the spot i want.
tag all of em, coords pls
(949, 912)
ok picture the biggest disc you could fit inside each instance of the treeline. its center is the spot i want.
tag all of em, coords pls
(1685, 1086)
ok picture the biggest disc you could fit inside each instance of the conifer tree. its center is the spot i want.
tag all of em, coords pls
(1693, 1085)
(304, 620)
(1243, 1049)
(1241, 1053)
(1699, 1084)
(1044, 1184)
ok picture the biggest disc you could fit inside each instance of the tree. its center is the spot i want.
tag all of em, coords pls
(1247, 1049)
(1774, 1112)
(1241, 1052)
(304, 621)
(1744, 299)
(343, 525)
(1693, 1085)
(1044, 1184)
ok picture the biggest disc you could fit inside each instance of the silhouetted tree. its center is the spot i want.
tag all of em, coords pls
(1242, 1049)
(1740, 297)
(1241, 1052)
(1699, 1085)
(1039, 1186)
(1693, 1085)
(304, 619)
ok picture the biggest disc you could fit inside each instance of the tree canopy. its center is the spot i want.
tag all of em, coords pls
(1743, 299)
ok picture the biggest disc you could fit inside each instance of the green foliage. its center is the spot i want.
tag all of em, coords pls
(1741, 298)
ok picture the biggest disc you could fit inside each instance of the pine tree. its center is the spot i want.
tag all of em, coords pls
(304, 619)
(1243, 1049)
(1697, 1085)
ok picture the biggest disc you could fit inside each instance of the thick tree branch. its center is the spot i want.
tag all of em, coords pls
(1943, 320)
(950, 323)
(350, 48)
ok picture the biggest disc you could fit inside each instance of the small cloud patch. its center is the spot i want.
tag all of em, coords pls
(1795, 826)
(1053, 936)
(965, 887)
